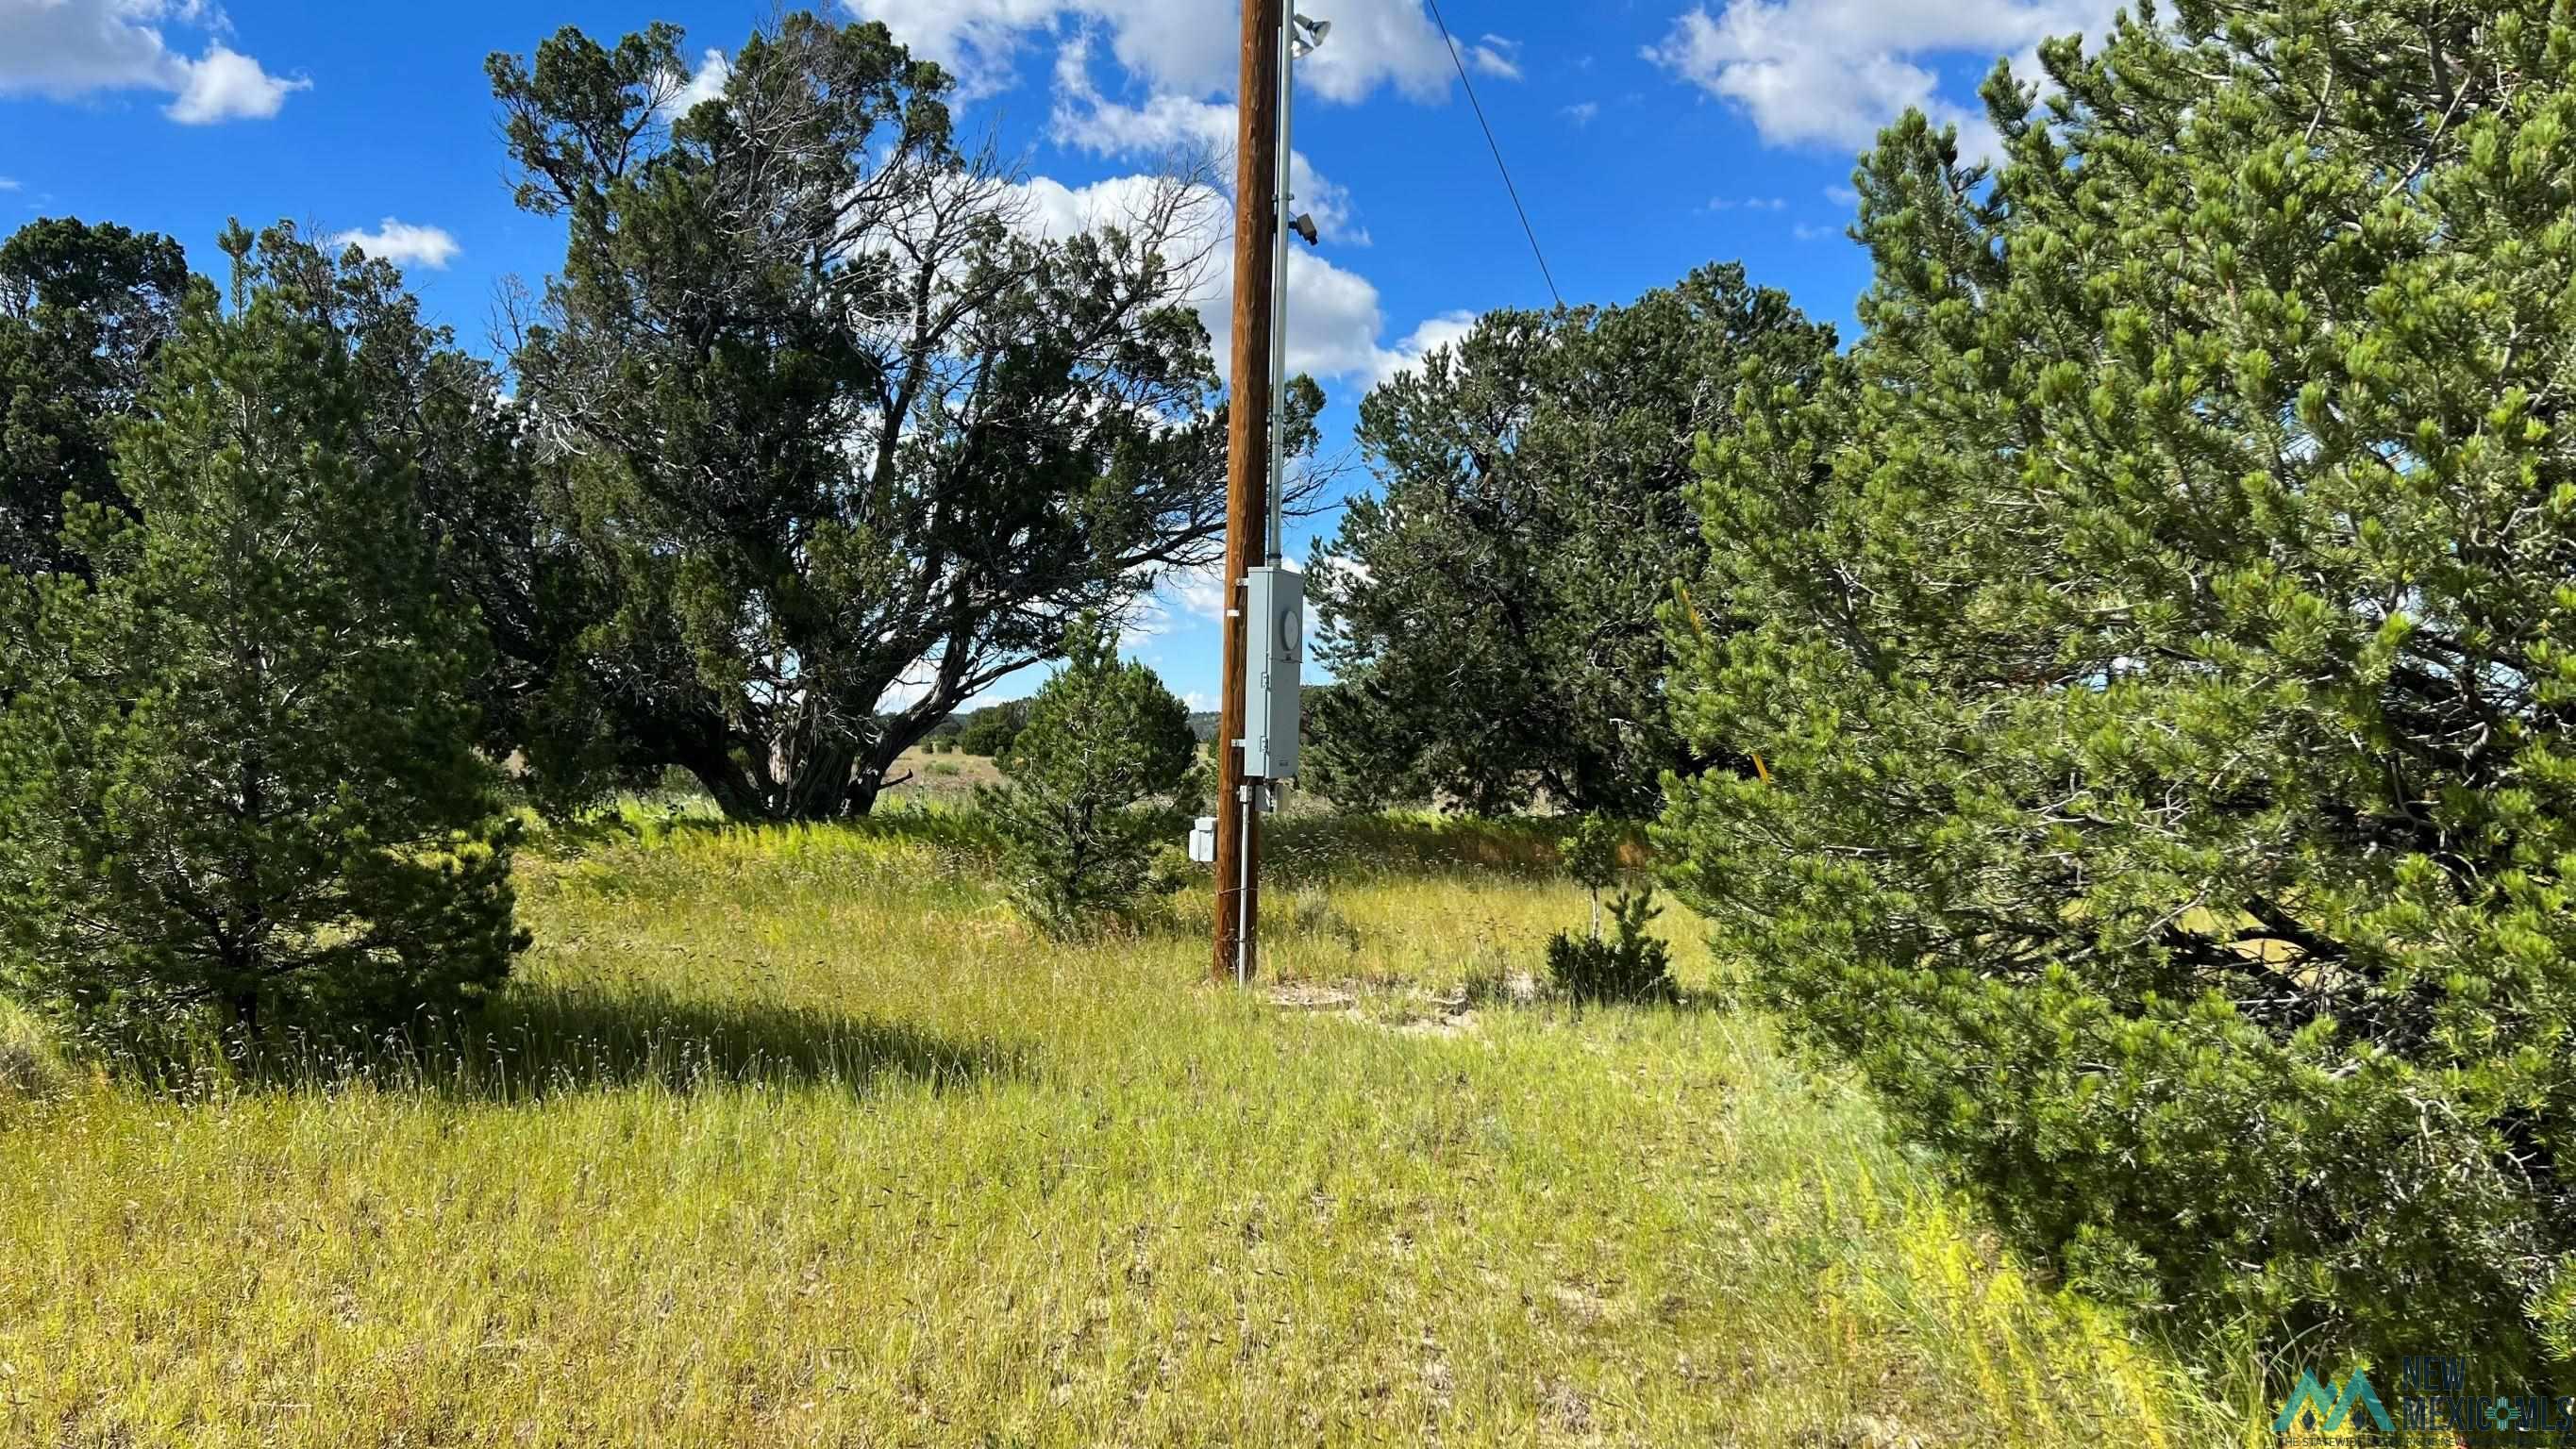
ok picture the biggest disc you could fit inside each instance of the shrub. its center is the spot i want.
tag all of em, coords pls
(238, 785)
(1312, 914)
(990, 731)
(29, 1065)
(1629, 966)
(2150, 659)
(1093, 784)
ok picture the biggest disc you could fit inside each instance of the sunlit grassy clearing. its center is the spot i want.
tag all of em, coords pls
(797, 1138)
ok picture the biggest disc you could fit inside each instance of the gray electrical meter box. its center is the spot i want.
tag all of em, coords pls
(1274, 613)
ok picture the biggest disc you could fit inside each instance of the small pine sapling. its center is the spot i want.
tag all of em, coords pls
(1632, 965)
(1092, 787)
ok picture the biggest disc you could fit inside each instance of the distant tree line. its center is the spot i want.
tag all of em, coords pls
(991, 731)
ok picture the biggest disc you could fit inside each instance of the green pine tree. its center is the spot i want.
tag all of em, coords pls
(237, 785)
(2155, 667)
(1096, 782)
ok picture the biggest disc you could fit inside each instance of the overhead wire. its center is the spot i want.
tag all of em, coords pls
(1496, 147)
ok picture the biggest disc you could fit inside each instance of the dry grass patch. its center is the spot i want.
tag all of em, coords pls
(796, 1138)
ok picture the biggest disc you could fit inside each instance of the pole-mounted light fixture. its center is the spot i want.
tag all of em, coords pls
(1305, 36)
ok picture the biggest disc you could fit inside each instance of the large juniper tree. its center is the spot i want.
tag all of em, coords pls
(1491, 612)
(237, 775)
(850, 436)
(2160, 691)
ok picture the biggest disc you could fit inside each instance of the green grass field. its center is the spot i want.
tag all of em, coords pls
(798, 1138)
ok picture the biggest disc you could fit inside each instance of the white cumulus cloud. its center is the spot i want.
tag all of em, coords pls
(705, 84)
(1200, 591)
(1178, 596)
(1833, 72)
(1334, 317)
(403, 242)
(1167, 126)
(228, 85)
(1184, 46)
(1378, 43)
(64, 49)
(1438, 332)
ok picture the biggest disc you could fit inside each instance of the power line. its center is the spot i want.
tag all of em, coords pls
(1526, 230)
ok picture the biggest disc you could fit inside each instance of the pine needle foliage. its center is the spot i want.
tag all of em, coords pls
(237, 782)
(1092, 782)
(2154, 643)
(1629, 966)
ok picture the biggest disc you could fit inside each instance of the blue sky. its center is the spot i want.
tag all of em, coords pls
(1647, 137)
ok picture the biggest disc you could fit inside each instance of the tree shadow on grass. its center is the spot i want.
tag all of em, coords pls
(537, 1043)
(955, 832)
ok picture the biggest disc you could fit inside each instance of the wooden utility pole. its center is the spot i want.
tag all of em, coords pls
(1247, 476)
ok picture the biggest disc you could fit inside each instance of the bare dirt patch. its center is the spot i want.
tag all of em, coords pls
(1305, 996)
(1405, 1014)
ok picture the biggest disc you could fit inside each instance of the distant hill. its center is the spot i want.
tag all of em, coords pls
(1203, 722)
